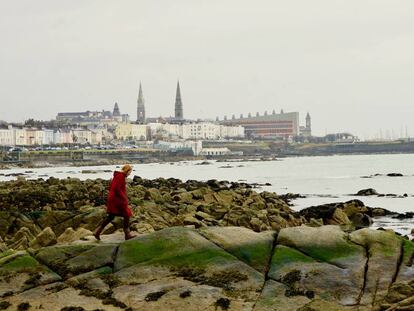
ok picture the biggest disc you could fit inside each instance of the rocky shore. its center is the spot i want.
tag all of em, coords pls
(212, 245)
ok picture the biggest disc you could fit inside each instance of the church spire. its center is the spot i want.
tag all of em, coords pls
(116, 112)
(178, 104)
(141, 106)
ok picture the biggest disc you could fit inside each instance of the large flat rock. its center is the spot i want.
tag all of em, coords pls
(251, 247)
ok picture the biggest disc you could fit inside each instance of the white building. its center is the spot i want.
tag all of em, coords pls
(232, 131)
(129, 131)
(19, 136)
(82, 136)
(195, 146)
(164, 130)
(34, 137)
(201, 130)
(215, 151)
(48, 137)
(6, 137)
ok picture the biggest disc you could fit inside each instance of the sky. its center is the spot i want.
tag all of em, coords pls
(349, 63)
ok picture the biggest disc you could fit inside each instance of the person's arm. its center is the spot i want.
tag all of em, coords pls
(120, 189)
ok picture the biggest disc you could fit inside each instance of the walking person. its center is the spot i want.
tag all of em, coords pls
(117, 203)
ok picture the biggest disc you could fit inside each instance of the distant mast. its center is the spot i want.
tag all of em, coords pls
(178, 104)
(141, 106)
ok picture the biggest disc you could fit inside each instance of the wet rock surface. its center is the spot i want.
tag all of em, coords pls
(216, 268)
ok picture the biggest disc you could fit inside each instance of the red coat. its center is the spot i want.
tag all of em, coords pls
(117, 198)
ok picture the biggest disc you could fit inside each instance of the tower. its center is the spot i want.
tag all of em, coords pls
(141, 106)
(178, 104)
(116, 112)
(308, 121)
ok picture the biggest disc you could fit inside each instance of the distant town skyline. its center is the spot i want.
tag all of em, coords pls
(348, 63)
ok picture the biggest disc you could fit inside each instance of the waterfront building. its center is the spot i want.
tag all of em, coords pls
(19, 136)
(232, 131)
(6, 136)
(140, 106)
(194, 130)
(34, 137)
(215, 151)
(200, 130)
(129, 131)
(48, 137)
(82, 136)
(159, 130)
(195, 146)
(283, 125)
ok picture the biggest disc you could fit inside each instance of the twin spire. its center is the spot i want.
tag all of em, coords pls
(179, 115)
(141, 106)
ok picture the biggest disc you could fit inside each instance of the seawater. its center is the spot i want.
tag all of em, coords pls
(321, 179)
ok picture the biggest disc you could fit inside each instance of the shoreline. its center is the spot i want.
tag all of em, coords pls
(175, 159)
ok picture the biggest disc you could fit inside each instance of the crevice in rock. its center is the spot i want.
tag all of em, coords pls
(374, 298)
(114, 256)
(269, 263)
(364, 283)
(398, 266)
(268, 267)
(200, 233)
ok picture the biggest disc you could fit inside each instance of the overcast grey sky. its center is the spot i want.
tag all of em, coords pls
(350, 63)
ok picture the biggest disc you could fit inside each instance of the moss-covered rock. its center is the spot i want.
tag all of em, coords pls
(384, 251)
(253, 248)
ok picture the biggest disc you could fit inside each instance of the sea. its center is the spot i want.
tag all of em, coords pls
(320, 179)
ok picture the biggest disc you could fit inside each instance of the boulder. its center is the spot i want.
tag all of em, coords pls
(384, 250)
(360, 220)
(252, 248)
(71, 235)
(367, 192)
(319, 260)
(45, 238)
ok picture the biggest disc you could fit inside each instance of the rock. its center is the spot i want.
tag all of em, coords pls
(251, 247)
(315, 222)
(395, 175)
(20, 271)
(379, 212)
(360, 220)
(384, 250)
(306, 268)
(3, 246)
(320, 260)
(71, 235)
(21, 239)
(273, 298)
(142, 228)
(45, 238)
(96, 257)
(321, 305)
(338, 218)
(367, 192)
(190, 220)
(399, 292)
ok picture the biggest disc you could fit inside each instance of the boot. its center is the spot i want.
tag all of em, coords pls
(97, 232)
(129, 235)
